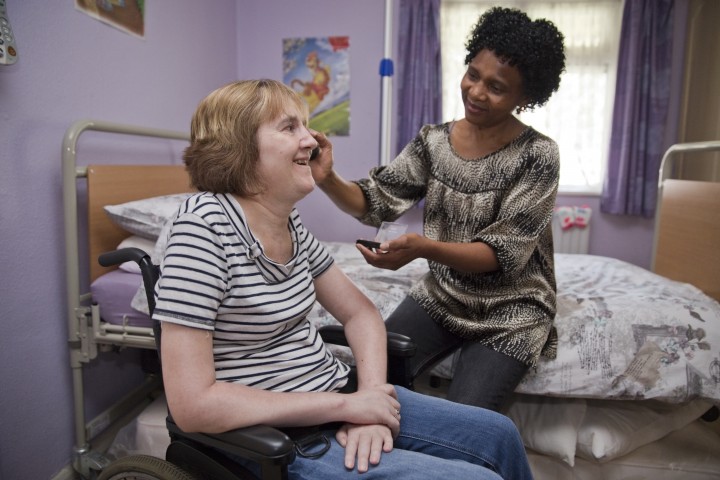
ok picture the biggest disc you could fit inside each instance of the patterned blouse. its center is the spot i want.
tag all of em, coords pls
(505, 200)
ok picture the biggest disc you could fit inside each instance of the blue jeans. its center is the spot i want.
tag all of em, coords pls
(438, 439)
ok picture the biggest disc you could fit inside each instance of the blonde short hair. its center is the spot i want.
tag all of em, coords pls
(223, 151)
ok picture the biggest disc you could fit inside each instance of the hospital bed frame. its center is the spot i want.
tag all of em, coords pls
(86, 335)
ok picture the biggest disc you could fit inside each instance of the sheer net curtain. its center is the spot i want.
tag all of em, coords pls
(578, 115)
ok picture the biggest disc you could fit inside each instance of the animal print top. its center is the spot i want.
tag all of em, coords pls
(505, 200)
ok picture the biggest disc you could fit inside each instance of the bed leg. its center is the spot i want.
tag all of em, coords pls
(89, 463)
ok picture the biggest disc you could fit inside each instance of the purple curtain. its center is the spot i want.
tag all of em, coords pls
(646, 88)
(419, 83)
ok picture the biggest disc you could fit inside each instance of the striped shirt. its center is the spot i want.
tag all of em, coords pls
(215, 276)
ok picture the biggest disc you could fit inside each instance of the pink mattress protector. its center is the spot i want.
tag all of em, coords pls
(113, 292)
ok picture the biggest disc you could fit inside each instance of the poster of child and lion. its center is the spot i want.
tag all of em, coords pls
(319, 70)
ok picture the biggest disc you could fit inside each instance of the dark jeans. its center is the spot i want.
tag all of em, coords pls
(483, 377)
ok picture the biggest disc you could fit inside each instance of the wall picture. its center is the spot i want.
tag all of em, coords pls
(125, 15)
(319, 70)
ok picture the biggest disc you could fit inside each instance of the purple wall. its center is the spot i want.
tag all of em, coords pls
(263, 25)
(626, 238)
(73, 67)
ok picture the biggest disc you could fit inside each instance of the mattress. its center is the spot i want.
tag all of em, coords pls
(113, 293)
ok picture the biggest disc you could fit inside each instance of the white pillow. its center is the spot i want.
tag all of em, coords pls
(146, 217)
(548, 425)
(136, 241)
(613, 428)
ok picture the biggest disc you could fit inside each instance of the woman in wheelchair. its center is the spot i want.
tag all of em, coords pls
(240, 273)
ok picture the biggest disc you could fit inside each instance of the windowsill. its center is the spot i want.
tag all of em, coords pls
(568, 191)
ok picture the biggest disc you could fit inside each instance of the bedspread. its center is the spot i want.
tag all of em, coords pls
(628, 333)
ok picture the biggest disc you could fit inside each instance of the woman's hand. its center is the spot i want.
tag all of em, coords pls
(346, 195)
(468, 257)
(364, 442)
(376, 405)
(395, 253)
(322, 165)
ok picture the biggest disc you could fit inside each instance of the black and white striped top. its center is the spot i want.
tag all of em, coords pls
(215, 276)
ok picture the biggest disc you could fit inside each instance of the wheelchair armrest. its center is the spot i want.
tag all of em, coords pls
(116, 257)
(400, 349)
(258, 443)
(398, 345)
(148, 271)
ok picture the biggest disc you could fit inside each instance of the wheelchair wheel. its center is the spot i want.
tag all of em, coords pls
(143, 467)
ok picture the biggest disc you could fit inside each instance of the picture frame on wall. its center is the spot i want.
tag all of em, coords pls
(125, 15)
(318, 68)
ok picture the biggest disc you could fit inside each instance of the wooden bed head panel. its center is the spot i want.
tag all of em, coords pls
(115, 184)
(688, 248)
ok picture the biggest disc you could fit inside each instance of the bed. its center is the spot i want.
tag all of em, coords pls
(624, 398)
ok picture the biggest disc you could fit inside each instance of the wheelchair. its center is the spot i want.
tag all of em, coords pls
(199, 456)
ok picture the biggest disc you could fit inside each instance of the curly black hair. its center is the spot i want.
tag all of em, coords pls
(535, 47)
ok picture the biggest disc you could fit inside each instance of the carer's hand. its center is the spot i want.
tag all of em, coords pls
(322, 165)
(395, 253)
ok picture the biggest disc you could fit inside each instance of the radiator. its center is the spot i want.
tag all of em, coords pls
(571, 229)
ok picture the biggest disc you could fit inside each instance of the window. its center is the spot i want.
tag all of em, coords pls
(579, 114)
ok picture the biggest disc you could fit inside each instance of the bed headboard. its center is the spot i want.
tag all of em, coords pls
(115, 184)
(687, 230)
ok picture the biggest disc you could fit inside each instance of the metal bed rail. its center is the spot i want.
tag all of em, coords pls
(82, 337)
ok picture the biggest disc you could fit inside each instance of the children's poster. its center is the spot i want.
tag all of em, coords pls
(125, 15)
(319, 70)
